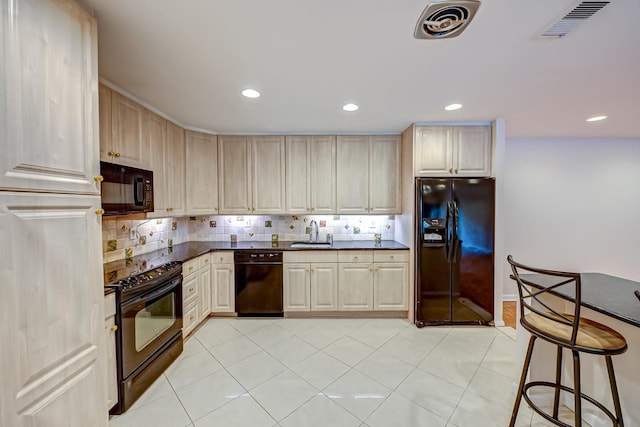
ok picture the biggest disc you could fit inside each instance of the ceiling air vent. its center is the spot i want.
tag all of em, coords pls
(445, 19)
(576, 17)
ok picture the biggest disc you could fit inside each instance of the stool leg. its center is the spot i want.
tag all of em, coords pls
(577, 399)
(556, 396)
(614, 391)
(523, 378)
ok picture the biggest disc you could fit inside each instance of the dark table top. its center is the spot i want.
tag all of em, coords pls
(117, 270)
(610, 295)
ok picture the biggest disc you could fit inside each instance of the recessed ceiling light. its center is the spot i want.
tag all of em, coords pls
(596, 118)
(453, 107)
(350, 107)
(251, 93)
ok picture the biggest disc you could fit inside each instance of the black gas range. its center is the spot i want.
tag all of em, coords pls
(149, 334)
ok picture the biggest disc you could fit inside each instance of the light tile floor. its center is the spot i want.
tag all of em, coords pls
(335, 372)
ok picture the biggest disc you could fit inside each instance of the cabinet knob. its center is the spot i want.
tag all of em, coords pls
(371, 269)
(111, 153)
(190, 268)
(98, 178)
(114, 328)
(117, 154)
(450, 170)
(191, 290)
(355, 257)
(206, 261)
(391, 257)
(191, 317)
(100, 211)
(456, 170)
(215, 209)
(231, 270)
(307, 270)
(313, 270)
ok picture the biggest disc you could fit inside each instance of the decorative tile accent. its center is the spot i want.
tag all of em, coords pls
(159, 221)
(213, 224)
(356, 230)
(387, 226)
(336, 217)
(378, 237)
(234, 238)
(307, 230)
(291, 227)
(250, 234)
(128, 253)
(174, 225)
(294, 218)
(240, 219)
(112, 245)
(323, 223)
(346, 227)
(268, 224)
(111, 277)
(170, 243)
(142, 240)
(274, 238)
(392, 217)
(124, 228)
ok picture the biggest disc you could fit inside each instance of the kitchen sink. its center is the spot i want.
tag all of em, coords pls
(313, 245)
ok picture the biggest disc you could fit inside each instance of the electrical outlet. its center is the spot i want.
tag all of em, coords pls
(132, 234)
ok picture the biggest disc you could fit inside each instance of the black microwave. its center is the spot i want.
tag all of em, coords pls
(125, 189)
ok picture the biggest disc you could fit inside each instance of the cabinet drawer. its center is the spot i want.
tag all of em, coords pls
(190, 266)
(222, 258)
(110, 305)
(189, 318)
(355, 256)
(204, 260)
(190, 289)
(310, 256)
(391, 256)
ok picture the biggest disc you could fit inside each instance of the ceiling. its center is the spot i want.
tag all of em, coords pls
(191, 58)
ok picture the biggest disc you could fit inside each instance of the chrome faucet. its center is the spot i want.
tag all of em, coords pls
(313, 236)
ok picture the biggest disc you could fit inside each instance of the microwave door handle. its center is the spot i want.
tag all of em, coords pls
(138, 191)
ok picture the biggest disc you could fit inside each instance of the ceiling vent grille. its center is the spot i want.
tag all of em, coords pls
(576, 17)
(445, 19)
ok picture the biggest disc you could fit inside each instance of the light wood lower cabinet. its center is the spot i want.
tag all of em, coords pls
(110, 329)
(196, 292)
(355, 287)
(390, 286)
(297, 287)
(310, 281)
(222, 283)
(324, 286)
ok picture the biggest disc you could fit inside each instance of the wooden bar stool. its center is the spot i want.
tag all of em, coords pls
(568, 331)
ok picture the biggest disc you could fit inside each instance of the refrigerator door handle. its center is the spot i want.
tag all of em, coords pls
(450, 233)
(454, 240)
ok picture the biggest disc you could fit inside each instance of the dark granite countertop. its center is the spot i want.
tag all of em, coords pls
(609, 295)
(117, 270)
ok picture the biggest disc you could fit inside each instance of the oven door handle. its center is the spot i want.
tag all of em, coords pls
(155, 294)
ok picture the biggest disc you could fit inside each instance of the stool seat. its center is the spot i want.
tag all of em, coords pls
(591, 335)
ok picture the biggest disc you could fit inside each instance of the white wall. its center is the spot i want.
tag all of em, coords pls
(572, 204)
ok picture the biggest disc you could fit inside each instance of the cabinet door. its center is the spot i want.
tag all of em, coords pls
(324, 287)
(323, 174)
(391, 287)
(353, 174)
(204, 290)
(190, 318)
(297, 171)
(268, 174)
(156, 134)
(222, 288)
(296, 287)
(174, 169)
(201, 173)
(189, 289)
(355, 287)
(127, 132)
(472, 150)
(48, 97)
(52, 309)
(234, 174)
(111, 368)
(433, 150)
(106, 147)
(384, 174)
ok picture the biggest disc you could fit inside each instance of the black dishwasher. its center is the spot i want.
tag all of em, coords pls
(258, 283)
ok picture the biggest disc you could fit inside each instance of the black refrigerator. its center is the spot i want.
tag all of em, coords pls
(454, 251)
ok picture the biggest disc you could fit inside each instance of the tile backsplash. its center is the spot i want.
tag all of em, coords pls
(154, 234)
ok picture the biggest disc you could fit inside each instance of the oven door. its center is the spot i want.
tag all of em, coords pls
(148, 322)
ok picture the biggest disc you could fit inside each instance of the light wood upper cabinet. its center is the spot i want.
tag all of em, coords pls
(48, 97)
(268, 159)
(452, 151)
(174, 170)
(201, 173)
(234, 169)
(384, 174)
(251, 174)
(353, 174)
(368, 174)
(310, 174)
(128, 145)
(156, 134)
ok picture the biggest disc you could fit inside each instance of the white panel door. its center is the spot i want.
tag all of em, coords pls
(128, 144)
(201, 173)
(51, 311)
(391, 287)
(268, 174)
(297, 172)
(355, 287)
(111, 370)
(433, 151)
(222, 288)
(353, 174)
(204, 282)
(174, 169)
(48, 97)
(234, 174)
(323, 174)
(296, 287)
(384, 174)
(472, 150)
(324, 287)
